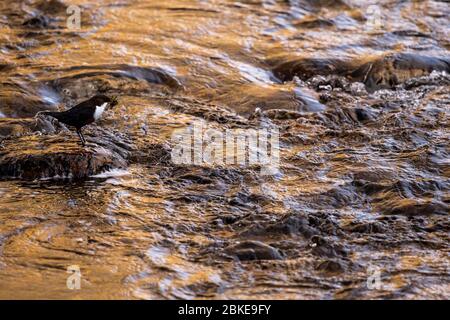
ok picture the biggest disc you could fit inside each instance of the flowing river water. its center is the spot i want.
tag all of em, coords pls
(359, 206)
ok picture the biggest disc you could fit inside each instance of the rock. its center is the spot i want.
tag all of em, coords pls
(250, 97)
(281, 114)
(48, 11)
(253, 250)
(413, 207)
(52, 7)
(36, 157)
(209, 112)
(313, 22)
(25, 153)
(328, 3)
(25, 126)
(385, 71)
(289, 224)
(325, 247)
(153, 75)
(37, 22)
(436, 78)
(360, 114)
(309, 99)
(365, 227)
(332, 266)
(18, 105)
(391, 70)
(287, 68)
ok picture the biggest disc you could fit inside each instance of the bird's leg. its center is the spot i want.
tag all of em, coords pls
(80, 135)
(84, 140)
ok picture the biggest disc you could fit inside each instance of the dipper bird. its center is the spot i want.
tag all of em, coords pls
(83, 114)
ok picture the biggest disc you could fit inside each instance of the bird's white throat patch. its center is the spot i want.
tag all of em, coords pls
(99, 111)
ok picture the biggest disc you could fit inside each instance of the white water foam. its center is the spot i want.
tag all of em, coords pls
(112, 173)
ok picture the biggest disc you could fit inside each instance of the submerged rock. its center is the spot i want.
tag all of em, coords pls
(153, 75)
(253, 250)
(25, 126)
(332, 265)
(413, 207)
(16, 104)
(385, 71)
(37, 22)
(290, 224)
(391, 70)
(51, 6)
(306, 68)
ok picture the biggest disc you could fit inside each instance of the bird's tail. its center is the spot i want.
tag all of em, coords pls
(46, 113)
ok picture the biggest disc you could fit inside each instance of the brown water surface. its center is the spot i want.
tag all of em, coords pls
(364, 174)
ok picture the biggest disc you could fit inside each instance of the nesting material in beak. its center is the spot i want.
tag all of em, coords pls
(113, 102)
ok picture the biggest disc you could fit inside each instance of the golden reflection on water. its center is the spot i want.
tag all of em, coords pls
(152, 233)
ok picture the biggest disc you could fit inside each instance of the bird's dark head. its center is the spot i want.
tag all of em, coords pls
(101, 99)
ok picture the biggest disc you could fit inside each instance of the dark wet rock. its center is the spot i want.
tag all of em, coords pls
(434, 79)
(305, 68)
(378, 73)
(329, 82)
(254, 198)
(229, 218)
(192, 198)
(336, 197)
(240, 200)
(250, 98)
(290, 224)
(336, 118)
(325, 247)
(26, 153)
(419, 224)
(413, 207)
(25, 126)
(408, 61)
(36, 157)
(15, 104)
(45, 12)
(314, 23)
(365, 227)
(391, 70)
(16, 127)
(194, 178)
(296, 223)
(227, 175)
(277, 114)
(208, 112)
(37, 22)
(51, 6)
(152, 154)
(324, 223)
(6, 66)
(328, 3)
(361, 114)
(253, 250)
(332, 266)
(411, 33)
